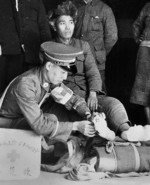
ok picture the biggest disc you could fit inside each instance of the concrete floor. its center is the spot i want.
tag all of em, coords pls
(59, 179)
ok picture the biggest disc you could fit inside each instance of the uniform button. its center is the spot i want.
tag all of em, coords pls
(45, 84)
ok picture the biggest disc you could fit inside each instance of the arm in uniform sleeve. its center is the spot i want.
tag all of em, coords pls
(42, 124)
(79, 104)
(138, 25)
(65, 96)
(110, 29)
(43, 23)
(93, 76)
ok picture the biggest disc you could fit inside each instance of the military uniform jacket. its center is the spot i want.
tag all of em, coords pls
(22, 101)
(96, 24)
(141, 26)
(87, 77)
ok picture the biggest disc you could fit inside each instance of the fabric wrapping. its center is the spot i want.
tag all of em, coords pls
(72, 156)
(123, 157)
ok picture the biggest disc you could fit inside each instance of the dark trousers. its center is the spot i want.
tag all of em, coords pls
(10, 67)
(102, 73)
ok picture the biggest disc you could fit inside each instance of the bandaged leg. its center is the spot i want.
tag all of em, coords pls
(135, 133)
(146, 133)
(101, 126)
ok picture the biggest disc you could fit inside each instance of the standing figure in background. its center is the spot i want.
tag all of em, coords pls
(140, 93)
(96, 24)
(23, 27)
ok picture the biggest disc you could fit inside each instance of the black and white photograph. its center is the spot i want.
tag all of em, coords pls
(74, 92)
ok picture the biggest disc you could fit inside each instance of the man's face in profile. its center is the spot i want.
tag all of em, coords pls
(55, 74)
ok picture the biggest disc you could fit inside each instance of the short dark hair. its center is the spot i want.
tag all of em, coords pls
(66, 8)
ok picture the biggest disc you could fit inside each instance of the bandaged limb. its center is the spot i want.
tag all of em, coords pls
(101, 126)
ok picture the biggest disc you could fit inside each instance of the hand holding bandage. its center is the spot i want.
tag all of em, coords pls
(61, 94)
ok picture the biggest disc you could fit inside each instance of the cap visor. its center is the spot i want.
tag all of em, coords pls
(71, 69)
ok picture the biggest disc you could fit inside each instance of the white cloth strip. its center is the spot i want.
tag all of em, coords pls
(57, 125)
(145, 43)
(137, 157)
(4, 93)
(70, 148)
(17, 8)
(44, 97)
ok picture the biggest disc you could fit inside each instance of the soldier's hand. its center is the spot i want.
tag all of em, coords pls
(92, 101)
(87, 115)
(85, 127)
(141, 38)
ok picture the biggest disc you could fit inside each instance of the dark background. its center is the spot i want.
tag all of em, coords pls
(120, 67)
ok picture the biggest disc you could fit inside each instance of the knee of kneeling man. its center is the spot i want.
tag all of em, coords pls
(51, 117)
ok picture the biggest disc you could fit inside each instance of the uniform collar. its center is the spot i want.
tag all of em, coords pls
(44, 84)
(57, 39)
(91, 3)
(72, 41)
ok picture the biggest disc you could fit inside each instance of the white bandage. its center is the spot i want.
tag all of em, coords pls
(101, 126)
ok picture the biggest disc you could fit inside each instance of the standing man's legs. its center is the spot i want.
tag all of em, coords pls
(14, 66)
(10, 67)
(3, 80)
(147, 114)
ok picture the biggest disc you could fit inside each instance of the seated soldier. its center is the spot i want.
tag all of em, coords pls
(87, 81)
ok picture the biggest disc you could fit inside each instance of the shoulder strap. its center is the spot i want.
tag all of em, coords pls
(4, 93)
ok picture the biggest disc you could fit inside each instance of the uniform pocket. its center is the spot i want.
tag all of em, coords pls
(80, 58)
(80, 63)
(96, 23)
(100, 54)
